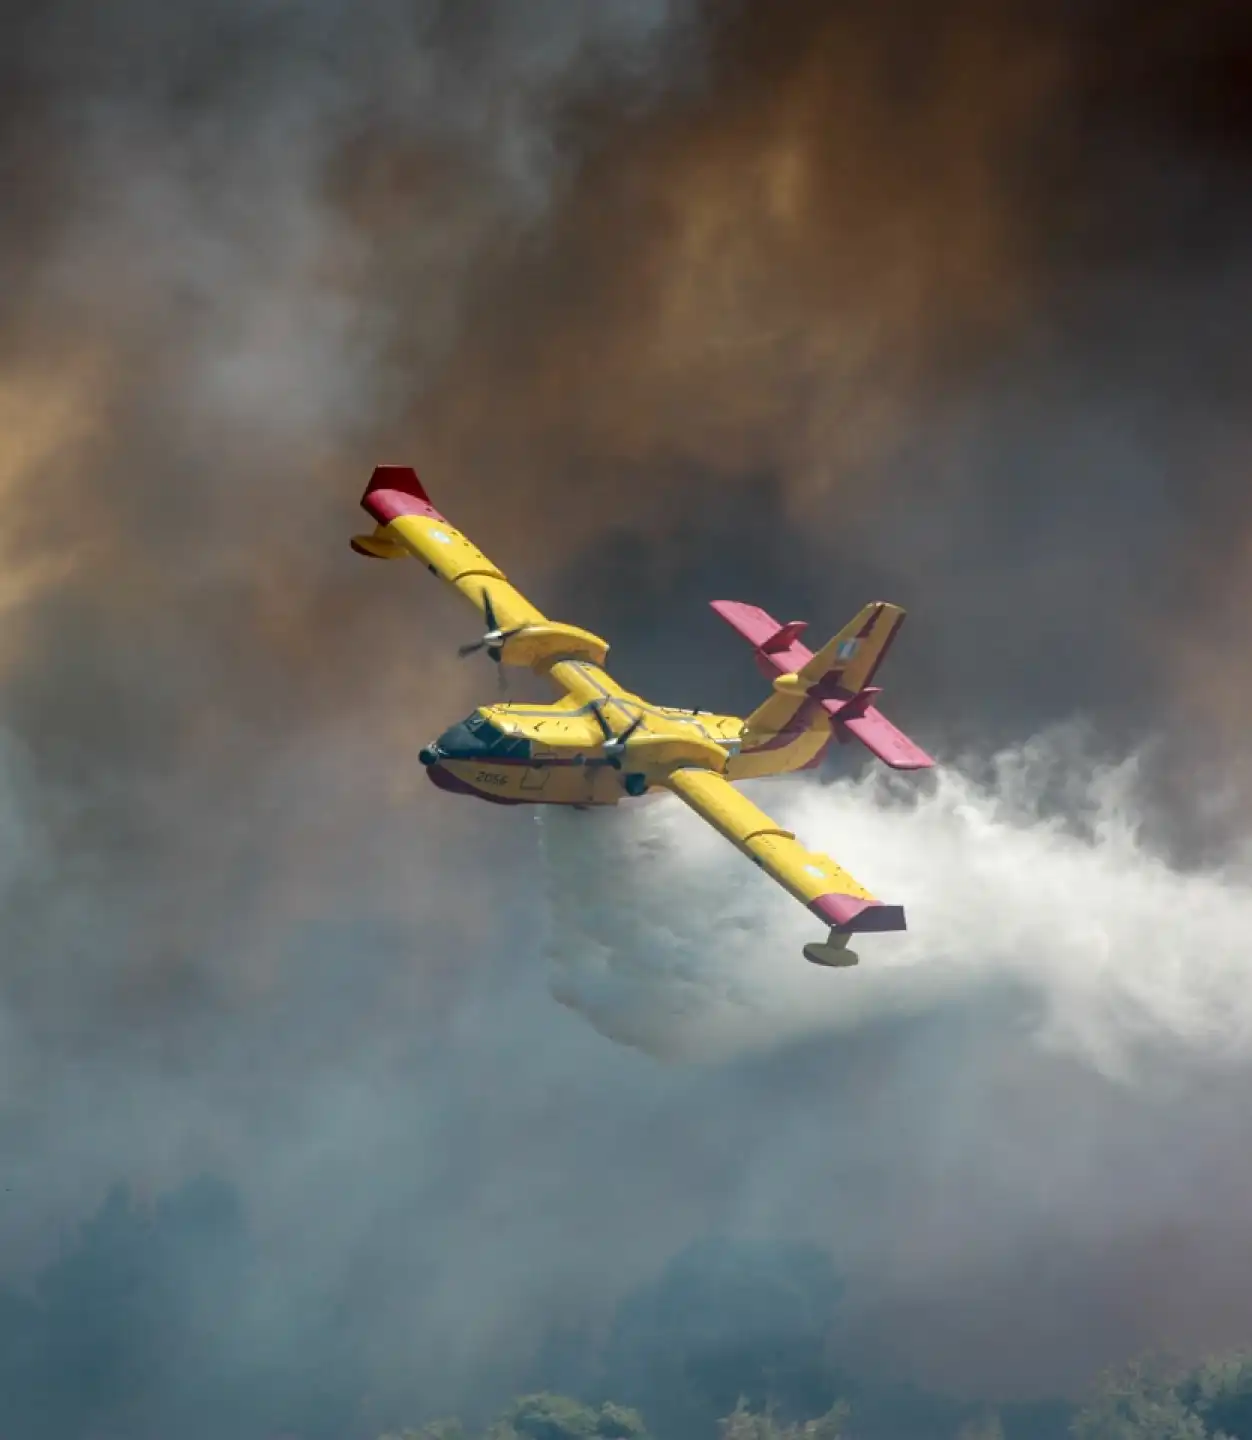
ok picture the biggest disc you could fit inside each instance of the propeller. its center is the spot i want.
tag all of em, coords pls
(493, 641)
(614, 745)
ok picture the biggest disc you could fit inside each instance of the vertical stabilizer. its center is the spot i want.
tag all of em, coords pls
(835, 680)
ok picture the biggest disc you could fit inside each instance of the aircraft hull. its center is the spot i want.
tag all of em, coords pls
(547, 783)
(600, 742)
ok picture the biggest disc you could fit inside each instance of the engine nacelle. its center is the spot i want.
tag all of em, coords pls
(657, 755)
(539, 646)
(648, 759)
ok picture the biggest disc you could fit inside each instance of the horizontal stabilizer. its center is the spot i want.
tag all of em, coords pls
(892, 746)
(778, 647)
(753, 623)
(853, 713)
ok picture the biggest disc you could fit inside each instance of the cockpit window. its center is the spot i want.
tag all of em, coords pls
(494, 741)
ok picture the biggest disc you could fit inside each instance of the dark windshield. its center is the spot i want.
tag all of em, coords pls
(515, 747)
(479, 736)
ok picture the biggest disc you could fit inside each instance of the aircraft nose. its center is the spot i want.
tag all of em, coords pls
(428, 754)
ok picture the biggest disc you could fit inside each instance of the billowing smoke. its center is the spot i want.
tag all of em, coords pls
(801, 303)
(1078, 1026)
(1038, 879)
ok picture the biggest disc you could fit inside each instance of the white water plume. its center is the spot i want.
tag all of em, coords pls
(1036, 880)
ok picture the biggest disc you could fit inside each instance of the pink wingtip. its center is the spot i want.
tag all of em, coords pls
(849, 915)
(395, 490)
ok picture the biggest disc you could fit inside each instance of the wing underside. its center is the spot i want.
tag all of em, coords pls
(814, 879)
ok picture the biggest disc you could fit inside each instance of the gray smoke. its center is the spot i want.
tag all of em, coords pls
(800, 303)
(1076, 1030)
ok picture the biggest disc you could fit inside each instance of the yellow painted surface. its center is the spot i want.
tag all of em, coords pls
(693, 754)
(540, 784)
(540, 646)
(806, 874)
(879, 621)
(454, 558)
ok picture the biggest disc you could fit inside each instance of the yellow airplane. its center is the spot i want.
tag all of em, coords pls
(600, 742)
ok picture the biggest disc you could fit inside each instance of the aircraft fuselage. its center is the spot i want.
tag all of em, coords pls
(556, 754)
(600, 741)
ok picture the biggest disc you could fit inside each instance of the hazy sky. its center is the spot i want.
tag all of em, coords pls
(799, 303)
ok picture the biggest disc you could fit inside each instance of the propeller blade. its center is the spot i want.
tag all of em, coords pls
(493, 641)
(601, 721)
(489, 611)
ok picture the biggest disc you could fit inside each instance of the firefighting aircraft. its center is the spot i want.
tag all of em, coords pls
(600, 742)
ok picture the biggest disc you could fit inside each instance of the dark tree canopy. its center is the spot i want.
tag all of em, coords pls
(727, 1321)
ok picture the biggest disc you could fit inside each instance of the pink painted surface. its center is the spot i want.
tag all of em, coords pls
(787, 635)
(863, 720)
(753, 623)
(891, 745)
(849, 915)
(760, 629)
(395, 490)
(830, 687)
(856, 707)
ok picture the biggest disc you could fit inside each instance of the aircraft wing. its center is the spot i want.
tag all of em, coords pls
(814, 879)
(407, 523)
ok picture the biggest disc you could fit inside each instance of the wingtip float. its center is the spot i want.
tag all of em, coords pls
(600, 742)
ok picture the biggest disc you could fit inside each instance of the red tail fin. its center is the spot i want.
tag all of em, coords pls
(395, 490)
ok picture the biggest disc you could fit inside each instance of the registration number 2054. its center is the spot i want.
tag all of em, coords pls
(490, 777)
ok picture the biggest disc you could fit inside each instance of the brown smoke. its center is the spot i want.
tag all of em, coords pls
(940, 282)
(768, 272)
